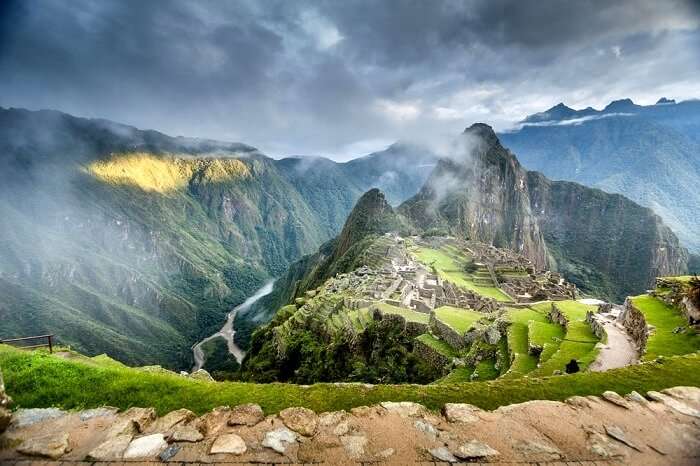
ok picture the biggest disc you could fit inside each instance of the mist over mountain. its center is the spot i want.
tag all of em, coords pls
(606, 244)
(650, 154)
(136, 243)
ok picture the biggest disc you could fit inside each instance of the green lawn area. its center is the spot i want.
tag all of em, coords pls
(578, 342)
(450, 266)
(486, 370)
(408, 314)
(547, 336)
(663, 342)
(38, 380)
(523, 361)
(438, 345)
(459, 319)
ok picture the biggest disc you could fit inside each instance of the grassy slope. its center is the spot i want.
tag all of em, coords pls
(438, 345)
(448, 266)
(578, 342)
(459, 319)
(663, 342)
(518, 339)
(40, 380)
(408, 314)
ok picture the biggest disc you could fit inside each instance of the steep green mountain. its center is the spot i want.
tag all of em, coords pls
(332, 188)
(650, 154)
(135, 243)
(606, 244)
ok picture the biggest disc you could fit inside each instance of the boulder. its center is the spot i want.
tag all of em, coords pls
(332, 418)
(228, 443)
(616, 399)
(404, 408)
(169, 453)
(443, 454)
(170, 420)
(618, 434)
(674, 404)
(143, 417)
(354, 445)
(461, 412)
(301, 420)
(538, 451)
(111, 449)
(186, 433)
(149, 447)
(279, 439)
(97, 412)
(213, 422)
(201, 374)
(341, 429)
(28, 417)
(246, 415)
(51, 446)
(426, 428)
(474, 449)
(691, 394)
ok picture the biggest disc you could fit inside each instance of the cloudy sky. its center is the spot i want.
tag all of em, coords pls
(340, 78)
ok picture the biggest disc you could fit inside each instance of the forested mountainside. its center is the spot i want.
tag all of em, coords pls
(604, 243)
(136, 243)
(650, 154)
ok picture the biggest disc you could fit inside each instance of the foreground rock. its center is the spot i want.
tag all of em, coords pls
(657, 428)
(52, 446)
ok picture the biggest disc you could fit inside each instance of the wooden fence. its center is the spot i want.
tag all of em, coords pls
(19, 342)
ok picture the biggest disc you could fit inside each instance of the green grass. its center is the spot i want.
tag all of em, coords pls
(662, 341)
(449, 265)
(459, 319)
(438, 345)
(35, 380)
(408, 314)
(578, 343)
(523, 361)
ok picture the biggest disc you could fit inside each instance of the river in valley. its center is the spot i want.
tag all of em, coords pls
(228, 331)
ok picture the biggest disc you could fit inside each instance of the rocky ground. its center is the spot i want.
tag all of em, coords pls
(660, 429)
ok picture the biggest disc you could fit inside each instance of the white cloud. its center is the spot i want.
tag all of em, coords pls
(321, 29)
(398, 111)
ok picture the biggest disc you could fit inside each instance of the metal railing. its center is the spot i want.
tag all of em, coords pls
(49, 342)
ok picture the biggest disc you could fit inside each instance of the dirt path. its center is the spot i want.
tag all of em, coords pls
(227, 331)
(619, 351)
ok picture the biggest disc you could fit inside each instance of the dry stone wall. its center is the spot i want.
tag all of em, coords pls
(556, 316)
(431, 355)
(635, 324)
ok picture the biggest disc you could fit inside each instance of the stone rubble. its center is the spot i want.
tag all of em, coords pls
(660, 428)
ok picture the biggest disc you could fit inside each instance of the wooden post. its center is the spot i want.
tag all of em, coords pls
(50, 344)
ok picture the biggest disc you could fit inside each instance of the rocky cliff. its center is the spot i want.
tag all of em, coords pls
(605, 244)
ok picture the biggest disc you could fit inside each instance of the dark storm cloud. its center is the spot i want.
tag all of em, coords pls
(338, 77)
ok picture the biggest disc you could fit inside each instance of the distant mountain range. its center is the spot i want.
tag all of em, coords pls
(651, 154)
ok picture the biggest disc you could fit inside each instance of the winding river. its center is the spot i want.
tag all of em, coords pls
(227, 331)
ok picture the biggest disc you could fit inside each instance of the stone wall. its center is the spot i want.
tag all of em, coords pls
(431, 356)
(447, 333)
(5, 415)
(413, 329)
(556, 316)
(596, 327)
(635, 324)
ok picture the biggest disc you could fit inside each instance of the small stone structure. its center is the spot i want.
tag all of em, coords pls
(596, 325)
(432, 356)
(635, 324)
(556, 316)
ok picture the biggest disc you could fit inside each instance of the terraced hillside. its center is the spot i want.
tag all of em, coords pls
(387, 308)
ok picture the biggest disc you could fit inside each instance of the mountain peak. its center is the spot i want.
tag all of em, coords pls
(622, 104)
(372, 214)
(483, 131)
(665, 101)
